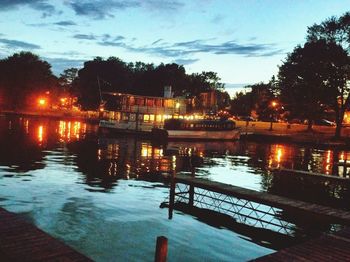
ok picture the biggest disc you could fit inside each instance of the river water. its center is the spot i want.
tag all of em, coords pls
(102, 195)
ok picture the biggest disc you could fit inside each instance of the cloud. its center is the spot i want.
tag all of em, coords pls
(170, 5)
(185, 49)
(65, 23)
(101, 9)
(217, 19)
(15, 44)
(85, 37)
(185, 61)
(40, 5)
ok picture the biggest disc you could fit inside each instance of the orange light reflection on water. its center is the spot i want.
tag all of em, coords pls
(40, 134)
(68, 130)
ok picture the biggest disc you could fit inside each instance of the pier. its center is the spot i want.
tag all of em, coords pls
(196, 190)
(21, 241)
(262, 217)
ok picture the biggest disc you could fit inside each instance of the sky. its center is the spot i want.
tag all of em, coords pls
(243, 41)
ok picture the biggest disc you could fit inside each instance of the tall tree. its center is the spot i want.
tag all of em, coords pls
(336, 31)
(24, 76)
(312, 78)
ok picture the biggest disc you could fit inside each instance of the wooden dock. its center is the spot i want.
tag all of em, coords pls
(21, 241)
(336, 215)
(329, 247)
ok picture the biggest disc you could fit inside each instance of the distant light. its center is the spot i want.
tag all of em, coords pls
(274, 103)
(177, 105)
(42, 102)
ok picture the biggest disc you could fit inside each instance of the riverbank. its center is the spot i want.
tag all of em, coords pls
(86, 116)
(293, 133)
(252, 131)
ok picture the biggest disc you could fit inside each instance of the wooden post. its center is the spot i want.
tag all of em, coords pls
(172, 195)
(345, 168)
(161, 249)
(191, 189)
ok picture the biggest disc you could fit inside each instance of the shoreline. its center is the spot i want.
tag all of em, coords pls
(250, 131)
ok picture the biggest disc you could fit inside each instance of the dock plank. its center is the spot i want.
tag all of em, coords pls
(21, 241)
(284, 203)
(329, 247)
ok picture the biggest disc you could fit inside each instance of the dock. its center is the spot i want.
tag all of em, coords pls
(329, 247)
(336, 215)
(22, 241)
(254, 214)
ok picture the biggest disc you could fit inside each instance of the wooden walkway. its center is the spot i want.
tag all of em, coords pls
(329, 247)
(336, 215)
(21, 241)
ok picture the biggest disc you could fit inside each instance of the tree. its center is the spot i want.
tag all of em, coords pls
(24, 76)
(66, 79)
(336, 31)
(255, 102)
(312, 78)
(333, 29)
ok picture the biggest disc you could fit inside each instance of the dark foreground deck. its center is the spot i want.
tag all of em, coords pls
(329, 247)
(21, 241)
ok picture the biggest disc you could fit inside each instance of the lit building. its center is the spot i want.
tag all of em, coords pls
(140, 113)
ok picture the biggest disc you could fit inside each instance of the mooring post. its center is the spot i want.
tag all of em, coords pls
(161, 249)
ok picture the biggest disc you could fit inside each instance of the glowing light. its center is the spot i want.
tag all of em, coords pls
(274, 103)
(40, 133)
(177, 105)
(41, 101)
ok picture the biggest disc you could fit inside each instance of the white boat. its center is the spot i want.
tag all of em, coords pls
(204, 129)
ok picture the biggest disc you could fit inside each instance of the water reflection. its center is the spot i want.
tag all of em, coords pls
(84, 173)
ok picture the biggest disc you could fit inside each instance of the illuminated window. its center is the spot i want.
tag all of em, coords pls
(146, 118)
(151, 117)
(159, 102)
(159, 118)
(150, 102)
(169, 103)
(125, 116)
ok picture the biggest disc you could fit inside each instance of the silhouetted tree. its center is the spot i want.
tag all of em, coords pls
(66, 80)
(24, 76)
(255, 102)
(312, 79)
(336, 32)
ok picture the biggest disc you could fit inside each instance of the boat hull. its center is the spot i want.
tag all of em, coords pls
(204, 135)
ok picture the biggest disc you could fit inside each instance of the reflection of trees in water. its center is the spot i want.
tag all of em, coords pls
(18, 150)
(309, 190)
(104, 161)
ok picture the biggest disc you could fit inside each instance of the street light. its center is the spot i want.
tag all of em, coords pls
(273, 106)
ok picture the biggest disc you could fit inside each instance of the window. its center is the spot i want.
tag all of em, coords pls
(150, 102)
(145, 118)
(140, 101)
(159, 118)
(125, 116)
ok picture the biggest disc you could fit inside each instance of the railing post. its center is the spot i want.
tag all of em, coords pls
(161, 249)
(172, 195)
(191, 189)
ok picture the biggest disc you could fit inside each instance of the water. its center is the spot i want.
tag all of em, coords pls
(102, 195)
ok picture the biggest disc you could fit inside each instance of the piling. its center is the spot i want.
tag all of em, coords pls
(161, 249)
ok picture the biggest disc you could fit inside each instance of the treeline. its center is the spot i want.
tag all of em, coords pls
(313, 81)
(23, 76)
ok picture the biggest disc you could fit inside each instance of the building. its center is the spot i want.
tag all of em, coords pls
(140, 113)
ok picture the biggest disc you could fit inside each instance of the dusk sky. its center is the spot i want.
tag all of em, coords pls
(243, 41)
